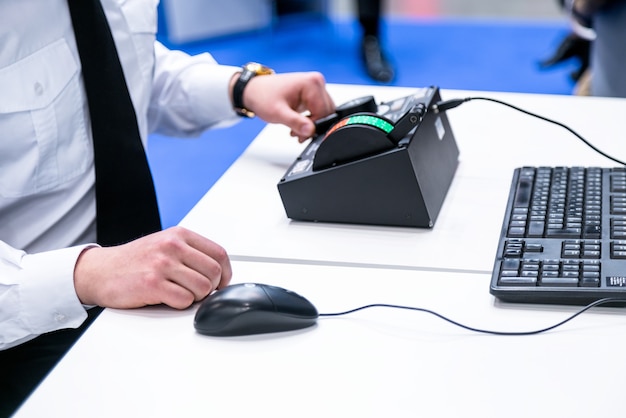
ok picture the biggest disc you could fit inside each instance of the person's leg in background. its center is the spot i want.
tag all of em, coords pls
(375, 60)
(608, 54)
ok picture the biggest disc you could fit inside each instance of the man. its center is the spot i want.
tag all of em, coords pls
(52, 269)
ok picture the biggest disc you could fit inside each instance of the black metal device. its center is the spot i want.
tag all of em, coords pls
(391, 166)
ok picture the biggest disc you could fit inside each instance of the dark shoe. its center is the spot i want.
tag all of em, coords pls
(376, 64)
(572, 46)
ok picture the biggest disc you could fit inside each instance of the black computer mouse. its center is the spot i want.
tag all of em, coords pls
(253, 308)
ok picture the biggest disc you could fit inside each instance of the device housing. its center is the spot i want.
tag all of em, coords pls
(403, 185)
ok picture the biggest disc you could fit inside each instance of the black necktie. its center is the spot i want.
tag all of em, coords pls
(126, 205)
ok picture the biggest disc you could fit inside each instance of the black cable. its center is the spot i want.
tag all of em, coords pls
(443, 106)
(451, 104)
(483, 331)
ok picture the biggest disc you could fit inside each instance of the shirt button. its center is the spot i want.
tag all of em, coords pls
(59, 317)
(38, 89)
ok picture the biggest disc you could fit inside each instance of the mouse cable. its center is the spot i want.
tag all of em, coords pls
(483, 331)
(444, 105)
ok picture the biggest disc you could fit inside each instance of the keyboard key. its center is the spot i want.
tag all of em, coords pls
(592, 231)
(590, 282)
(533, 247)
(618, 234)
(535, 229)
(564, 233)
(618, 247)
(619, 255)
(551, 268)
(567, 229)
(591, 254)
(511, 264)
(518, 281)
(524, 188)
(516, 232)
(560, 282)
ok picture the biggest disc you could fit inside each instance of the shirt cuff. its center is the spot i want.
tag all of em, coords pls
(47, 293)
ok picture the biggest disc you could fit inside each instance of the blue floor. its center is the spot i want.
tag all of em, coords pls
(473, 54)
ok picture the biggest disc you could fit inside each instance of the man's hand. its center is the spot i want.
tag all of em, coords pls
(175, 267)
(282, 98)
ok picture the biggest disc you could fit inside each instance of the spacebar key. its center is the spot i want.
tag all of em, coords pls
(560, 281)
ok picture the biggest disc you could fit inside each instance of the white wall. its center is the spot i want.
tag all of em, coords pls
(191, 20)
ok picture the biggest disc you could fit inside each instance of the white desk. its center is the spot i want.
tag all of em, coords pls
(151, 362)
(376, 363)
(244, 213)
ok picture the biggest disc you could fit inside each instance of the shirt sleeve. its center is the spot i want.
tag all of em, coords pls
(37, 293)
(189, 93)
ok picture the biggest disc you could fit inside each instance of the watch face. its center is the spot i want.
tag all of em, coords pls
(253, 66)
(258, 69)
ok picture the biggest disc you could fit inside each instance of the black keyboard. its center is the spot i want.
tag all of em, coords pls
(563, 238)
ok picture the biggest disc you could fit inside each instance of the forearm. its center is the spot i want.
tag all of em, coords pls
(190, 93)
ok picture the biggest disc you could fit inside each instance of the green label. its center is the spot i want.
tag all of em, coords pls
(372, 121)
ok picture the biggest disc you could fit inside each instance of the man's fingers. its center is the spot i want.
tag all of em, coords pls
(316, 99)
(198, 273)
(174, 295)
(210, 259)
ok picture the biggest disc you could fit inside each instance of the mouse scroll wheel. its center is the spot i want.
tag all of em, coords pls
(270, 296)
(290, 302)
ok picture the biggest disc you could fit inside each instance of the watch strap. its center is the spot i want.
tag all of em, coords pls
(249, 71)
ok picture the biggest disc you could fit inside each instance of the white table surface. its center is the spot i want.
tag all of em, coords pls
(244, 213)
(379, 363)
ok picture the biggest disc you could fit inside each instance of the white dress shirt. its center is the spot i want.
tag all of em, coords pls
(47, 201)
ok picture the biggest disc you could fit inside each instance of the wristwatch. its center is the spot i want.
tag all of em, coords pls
(250, 70)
